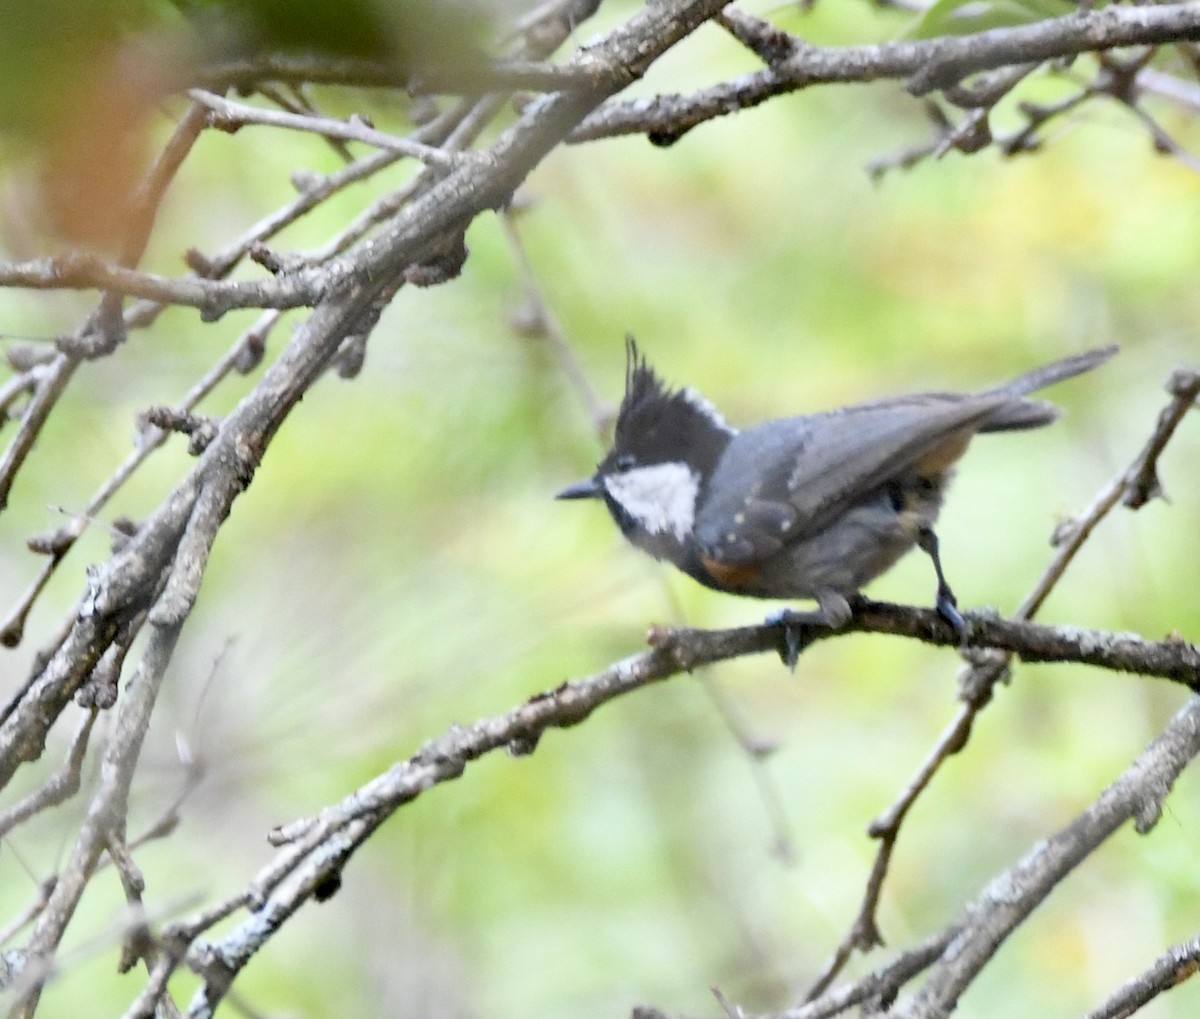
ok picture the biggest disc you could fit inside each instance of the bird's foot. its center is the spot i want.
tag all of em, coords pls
(947, 607)
(796, 632)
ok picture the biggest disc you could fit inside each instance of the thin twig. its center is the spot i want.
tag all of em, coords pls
(228, 115)
(22, 382)
(313, 191)
(682, 650)
(31, 912)
(248, 348)
(58, 372)
(459, 128)
(1170, 87)
(49, 388)
(61, 786)
(79, 271)
(879, 985)
(537, 320)
(1139, 478)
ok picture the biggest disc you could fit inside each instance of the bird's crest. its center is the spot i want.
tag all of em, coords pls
(656, 423)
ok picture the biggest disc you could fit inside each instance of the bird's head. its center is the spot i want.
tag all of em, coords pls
(665, 447)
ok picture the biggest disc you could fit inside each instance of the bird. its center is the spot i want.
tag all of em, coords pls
(808, 507)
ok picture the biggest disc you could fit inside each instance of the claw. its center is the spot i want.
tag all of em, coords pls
(795, 635)
(947, 607)
(793, 643)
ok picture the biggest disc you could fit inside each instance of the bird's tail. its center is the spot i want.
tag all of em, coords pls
(1020, 413)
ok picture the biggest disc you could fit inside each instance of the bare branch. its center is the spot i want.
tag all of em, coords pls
(247, 350)
(957, 953)
(986, 667)
(49, 387)
(986, 922)
(415, 234)
(1183, 92)
(30, 913)
(684, 650)
(79, 271)
(863, 934)
(106, 320)
(460, 127)
(149, 195)
(1173, 967)
(770, 43)
(227, 115)
(61, 786)
(229, 462)
(882, 985)
(317, 848)
(927, 64)
(1137, 484)
(313, 191)
(474, 79)
(106, 813)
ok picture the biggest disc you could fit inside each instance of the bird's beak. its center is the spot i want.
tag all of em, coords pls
(589, 489)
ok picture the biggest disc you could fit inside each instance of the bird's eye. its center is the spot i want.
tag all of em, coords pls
(626, 462)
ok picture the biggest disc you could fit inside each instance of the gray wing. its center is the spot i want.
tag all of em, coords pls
(821, 465)
(786, 480)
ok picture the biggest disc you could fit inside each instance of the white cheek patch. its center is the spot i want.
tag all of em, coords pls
(661, 498)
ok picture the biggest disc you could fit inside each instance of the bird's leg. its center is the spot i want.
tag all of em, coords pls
(834, 613)
(946, 603)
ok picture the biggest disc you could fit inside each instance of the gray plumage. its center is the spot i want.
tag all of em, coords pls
(802, 507)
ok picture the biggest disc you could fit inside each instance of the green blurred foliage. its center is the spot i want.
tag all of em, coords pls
(81, 82)
(399, 565)
(406, 32)
(46, 44)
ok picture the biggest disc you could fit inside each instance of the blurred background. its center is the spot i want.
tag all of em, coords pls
(399, 565)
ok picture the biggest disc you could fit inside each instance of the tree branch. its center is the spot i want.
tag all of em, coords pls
(107, 810)
(989, 666)
(227, 115)
(959, 952)
(313, 850)
(927, 64)
(228, 464)
(1172, 968)
(986, 923)
(415, 234)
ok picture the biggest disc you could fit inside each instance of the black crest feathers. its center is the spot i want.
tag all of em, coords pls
(645, 395)
(656, 424)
